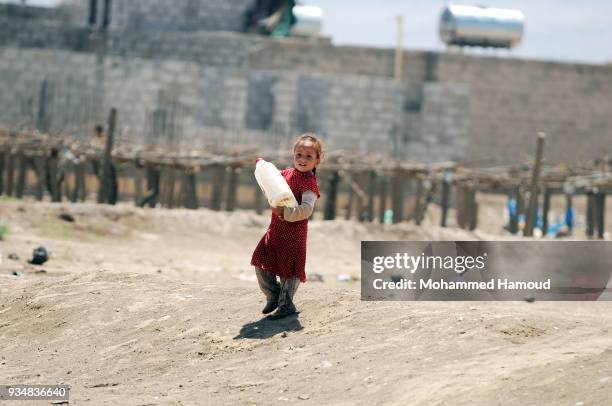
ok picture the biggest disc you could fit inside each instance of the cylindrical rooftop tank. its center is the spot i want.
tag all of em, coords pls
(309, 21)
(481, 26)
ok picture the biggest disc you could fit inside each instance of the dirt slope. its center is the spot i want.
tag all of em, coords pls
(155, 307)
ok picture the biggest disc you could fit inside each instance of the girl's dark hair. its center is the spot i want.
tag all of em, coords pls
(316, 143)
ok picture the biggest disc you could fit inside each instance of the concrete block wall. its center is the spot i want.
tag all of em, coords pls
(444, 123)
(63, 79)
(44, 34)
(212, 91)
(219, 84)
(235, 102)
(361, 113)
(165, 15)
(158, 99)
(511, 100)
(228, 50)
(14, 11)
(223, 49)
(75, 101)
(352, 113)
(155, 99)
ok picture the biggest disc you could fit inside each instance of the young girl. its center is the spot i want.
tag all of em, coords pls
(282, 250)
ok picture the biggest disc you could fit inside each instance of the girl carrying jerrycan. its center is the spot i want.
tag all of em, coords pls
(281, 252)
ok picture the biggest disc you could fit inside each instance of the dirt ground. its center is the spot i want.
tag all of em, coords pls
(161, 307)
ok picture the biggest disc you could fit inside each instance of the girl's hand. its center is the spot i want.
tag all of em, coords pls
(279, 211)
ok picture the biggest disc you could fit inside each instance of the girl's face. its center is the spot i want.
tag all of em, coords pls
(305, 157)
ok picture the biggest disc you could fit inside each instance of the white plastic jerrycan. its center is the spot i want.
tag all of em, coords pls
(273, 185)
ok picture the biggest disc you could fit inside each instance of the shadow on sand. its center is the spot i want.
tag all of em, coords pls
(266, 328)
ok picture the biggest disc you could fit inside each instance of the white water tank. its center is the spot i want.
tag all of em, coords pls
(309, 21)
(481, 26)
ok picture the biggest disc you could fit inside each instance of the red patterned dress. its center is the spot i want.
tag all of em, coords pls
(282, 250)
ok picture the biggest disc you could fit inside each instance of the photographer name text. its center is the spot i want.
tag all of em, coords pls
(430, 284)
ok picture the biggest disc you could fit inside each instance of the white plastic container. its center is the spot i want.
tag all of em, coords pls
(273, 185)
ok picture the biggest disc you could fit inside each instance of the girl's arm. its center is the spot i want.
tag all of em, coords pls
(303, 211)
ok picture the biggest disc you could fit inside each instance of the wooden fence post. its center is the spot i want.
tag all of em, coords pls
(473, 208)
(418, 202)
(232, 188)
(382, 198)
(259, 199)
(137, 173)
(545, 209)
(445, 201)
(535, 179)
(78, 193)
(569, 207)
(349, 205)
(52, 178)
(10, 171)
(151, 196)
(21, 174)
(600, 204)
(39, 168)
(104, 193)
(590, 214)
(520, 203)
(461, 205)
(217, 187)
(64, 179)
(189, 189)
(331, 196)
(397, 191)
(371, 193)
(169, 182)
(362, 197)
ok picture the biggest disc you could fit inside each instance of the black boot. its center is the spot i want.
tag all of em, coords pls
(283, 312)
(270, 306)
